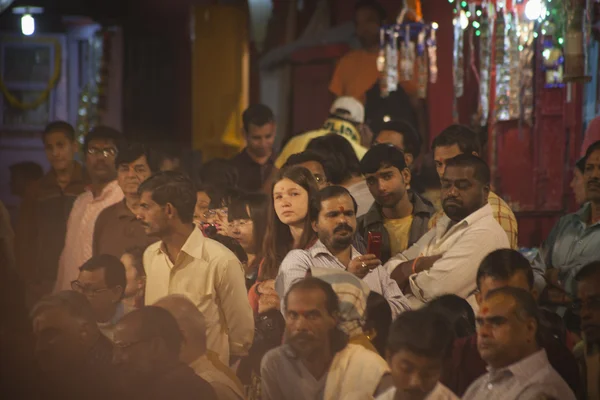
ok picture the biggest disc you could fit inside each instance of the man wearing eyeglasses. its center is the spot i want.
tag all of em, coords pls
(100, 147)
(102, 280)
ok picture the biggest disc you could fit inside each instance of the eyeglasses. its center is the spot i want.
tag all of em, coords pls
(240, 223)
(221, 212)
(86, 290)
(320, 179)
(107, 152)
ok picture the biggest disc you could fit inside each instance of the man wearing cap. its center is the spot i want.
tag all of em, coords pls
(347, 116)
(574, 241)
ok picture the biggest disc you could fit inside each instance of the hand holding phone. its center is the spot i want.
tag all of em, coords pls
(374, 244)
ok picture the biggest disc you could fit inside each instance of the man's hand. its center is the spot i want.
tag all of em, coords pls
(362, 265)
(404, 270)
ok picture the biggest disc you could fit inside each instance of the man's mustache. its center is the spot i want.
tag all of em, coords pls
(453, 200)
(594, 182)
(342, 227)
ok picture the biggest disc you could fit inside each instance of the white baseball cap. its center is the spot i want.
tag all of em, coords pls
(353, 106)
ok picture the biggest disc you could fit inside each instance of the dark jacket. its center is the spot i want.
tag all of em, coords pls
(373, 221)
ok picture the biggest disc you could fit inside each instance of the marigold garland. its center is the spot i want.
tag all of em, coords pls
(43, 97)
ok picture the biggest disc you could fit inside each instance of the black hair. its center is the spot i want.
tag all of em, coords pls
(257, 115)
(307, 156)
(328, 193)
(253, 206)
(379, 318)
(343, 163)
(175, 188)
(219, 173)
(592, 148)
(588, 271)
(137, 254)
(233, 245)
(132, 151)
(580, 164)
(102, 132)
(114, 270)
(331, 298)
(458, 311)
(466, 139)
(502, 264)
(423, 332)
(373, 5)
(59, 126)
(526, 304)
(411, 139)
(29, 170)
(381, 156)
(156, 322)
(481, 171)
(74, 303)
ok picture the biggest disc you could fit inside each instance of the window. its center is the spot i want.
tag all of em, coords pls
(26, 67)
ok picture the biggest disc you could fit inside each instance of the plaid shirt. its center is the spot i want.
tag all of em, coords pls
(502, 213)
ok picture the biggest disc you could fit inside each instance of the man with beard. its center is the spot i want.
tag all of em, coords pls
(117, 228)
(147, 343)
(256, 162)
(508, 341)
(316, 361)
(101, 147)
(445, 260)
(397, 213)
(418, 344)
(333, 218)
(587, 306)
(573, 242)
(187, 263)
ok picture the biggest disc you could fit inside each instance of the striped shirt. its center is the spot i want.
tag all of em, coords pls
(297, 263)
(80, 232)
(527, 379)
(502, 213)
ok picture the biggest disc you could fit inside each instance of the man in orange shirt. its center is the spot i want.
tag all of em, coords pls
(356, 72)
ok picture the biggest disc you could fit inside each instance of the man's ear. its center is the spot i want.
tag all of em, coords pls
(170, 211)
(532, 327)
(478, 298)
(476, 154)
(406, 175)
(117, 293)
(409, 159)
(314, 225)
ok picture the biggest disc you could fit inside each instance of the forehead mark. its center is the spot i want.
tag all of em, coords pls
(342, 209)
(485, 310)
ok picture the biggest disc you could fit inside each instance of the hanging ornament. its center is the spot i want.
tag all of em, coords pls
(432, 53)
(391, 57)
(575, 49)
(458, 56)
(512, 37)
(525, 68)
(421, 65)
(381, 64)
(500, 34)
(502, 63)
(485, 45)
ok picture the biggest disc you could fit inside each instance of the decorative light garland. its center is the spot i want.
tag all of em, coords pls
(51, 84)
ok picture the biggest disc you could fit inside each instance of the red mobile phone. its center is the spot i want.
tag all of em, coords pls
(374, 244)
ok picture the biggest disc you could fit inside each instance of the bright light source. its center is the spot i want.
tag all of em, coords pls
(435, 25)
(386, 118)
(476, 24)
(464, 20)
(478, 13)
(535, 9)
(546, 53)
(560, 41)
(27, 24)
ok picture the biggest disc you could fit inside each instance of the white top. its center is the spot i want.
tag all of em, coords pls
(462, 247)
(211, 276)
(439, 392)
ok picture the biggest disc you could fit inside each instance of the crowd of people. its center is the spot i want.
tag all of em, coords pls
(340, 267)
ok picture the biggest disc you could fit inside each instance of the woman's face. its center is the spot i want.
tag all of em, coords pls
(290, 201)
(134, 283)
(242, 230)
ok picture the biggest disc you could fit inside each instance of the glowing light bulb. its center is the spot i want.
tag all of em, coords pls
(464, 20)
(435, 25)
(27, 24)
(535, 9)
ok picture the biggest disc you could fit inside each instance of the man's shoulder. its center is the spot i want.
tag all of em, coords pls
(295, 256)
(275, 357)
(214, 251)
(499, 206)
(108, 213)
(152, 250)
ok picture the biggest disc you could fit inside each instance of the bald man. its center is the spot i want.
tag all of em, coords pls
(205, 363)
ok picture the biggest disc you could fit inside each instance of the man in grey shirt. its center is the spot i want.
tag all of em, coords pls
(334, 220)
(508, 341)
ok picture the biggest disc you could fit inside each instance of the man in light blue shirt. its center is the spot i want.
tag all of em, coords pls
(575, 239)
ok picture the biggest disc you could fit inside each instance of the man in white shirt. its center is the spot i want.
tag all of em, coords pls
(185, 262)
(418, 344)
(508, 341)
(446, 259)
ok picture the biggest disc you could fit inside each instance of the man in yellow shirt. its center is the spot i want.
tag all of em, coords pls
(346, 119)
(397, 213)
(458, 139)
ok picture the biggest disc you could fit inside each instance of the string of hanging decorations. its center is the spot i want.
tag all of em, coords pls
(407, 52)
